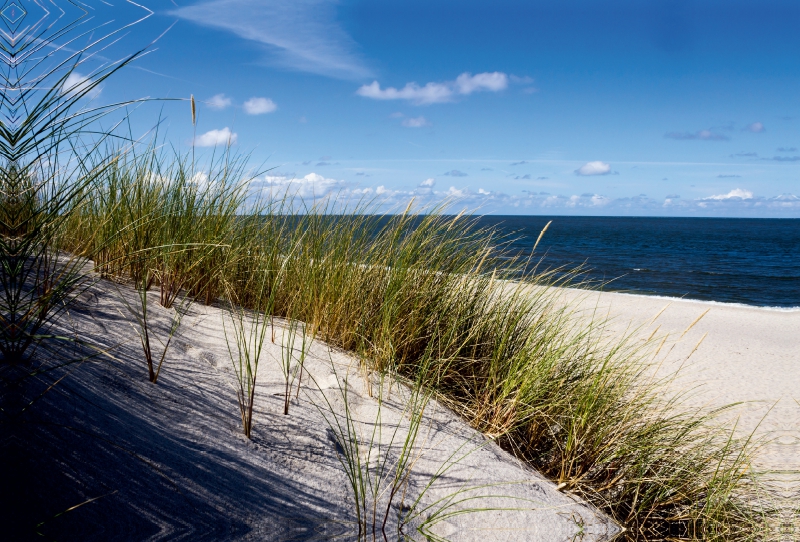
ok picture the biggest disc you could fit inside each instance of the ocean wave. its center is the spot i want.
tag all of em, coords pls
(720, 303)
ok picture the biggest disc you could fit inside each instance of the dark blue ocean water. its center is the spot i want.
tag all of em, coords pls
(749, 261)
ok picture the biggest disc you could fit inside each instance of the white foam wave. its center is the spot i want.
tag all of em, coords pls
(718, 303)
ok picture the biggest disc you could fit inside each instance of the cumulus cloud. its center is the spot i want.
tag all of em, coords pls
(77, 84)
(216, 138)
(787, 149)
(428, 182)
(594, 168)
(736, 193)
(415, 122)
(455, 173)
(432, 93)
(429, 94)
(218, 101)
(706, 135)
(259, 106)
(755, 127)
(518, 163)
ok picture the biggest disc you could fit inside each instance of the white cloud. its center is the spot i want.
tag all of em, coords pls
(736, 193)
(298, 35)
(429, 94)
(416, 122)
(432, 93)
(755, 127)
(218, 101)
(78, 84)
(200, 178)
(216, 138)
(467, 83)
(594, 168)
(259, 106)
(428, 182)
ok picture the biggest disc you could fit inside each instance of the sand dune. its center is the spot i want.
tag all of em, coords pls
(169, 461)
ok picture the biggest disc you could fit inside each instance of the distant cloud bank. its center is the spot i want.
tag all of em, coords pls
(736, 202)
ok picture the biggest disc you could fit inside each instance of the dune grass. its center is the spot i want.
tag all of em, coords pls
(417, 290)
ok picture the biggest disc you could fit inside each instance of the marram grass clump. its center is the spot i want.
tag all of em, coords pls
(498, 345)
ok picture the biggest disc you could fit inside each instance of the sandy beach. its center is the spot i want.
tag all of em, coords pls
(748, 355)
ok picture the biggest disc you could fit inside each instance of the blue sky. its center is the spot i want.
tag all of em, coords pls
(673, 107)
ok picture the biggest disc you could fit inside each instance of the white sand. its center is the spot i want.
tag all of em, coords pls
(748, 355)
(168, 461)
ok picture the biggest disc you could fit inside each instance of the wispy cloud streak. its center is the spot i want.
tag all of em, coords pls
(301, 34)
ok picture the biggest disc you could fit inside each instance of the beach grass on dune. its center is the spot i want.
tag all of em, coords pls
(414, 292)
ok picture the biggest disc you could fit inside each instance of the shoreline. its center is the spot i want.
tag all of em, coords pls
(704, 301)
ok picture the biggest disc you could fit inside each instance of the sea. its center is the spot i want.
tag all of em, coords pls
(728, 260)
